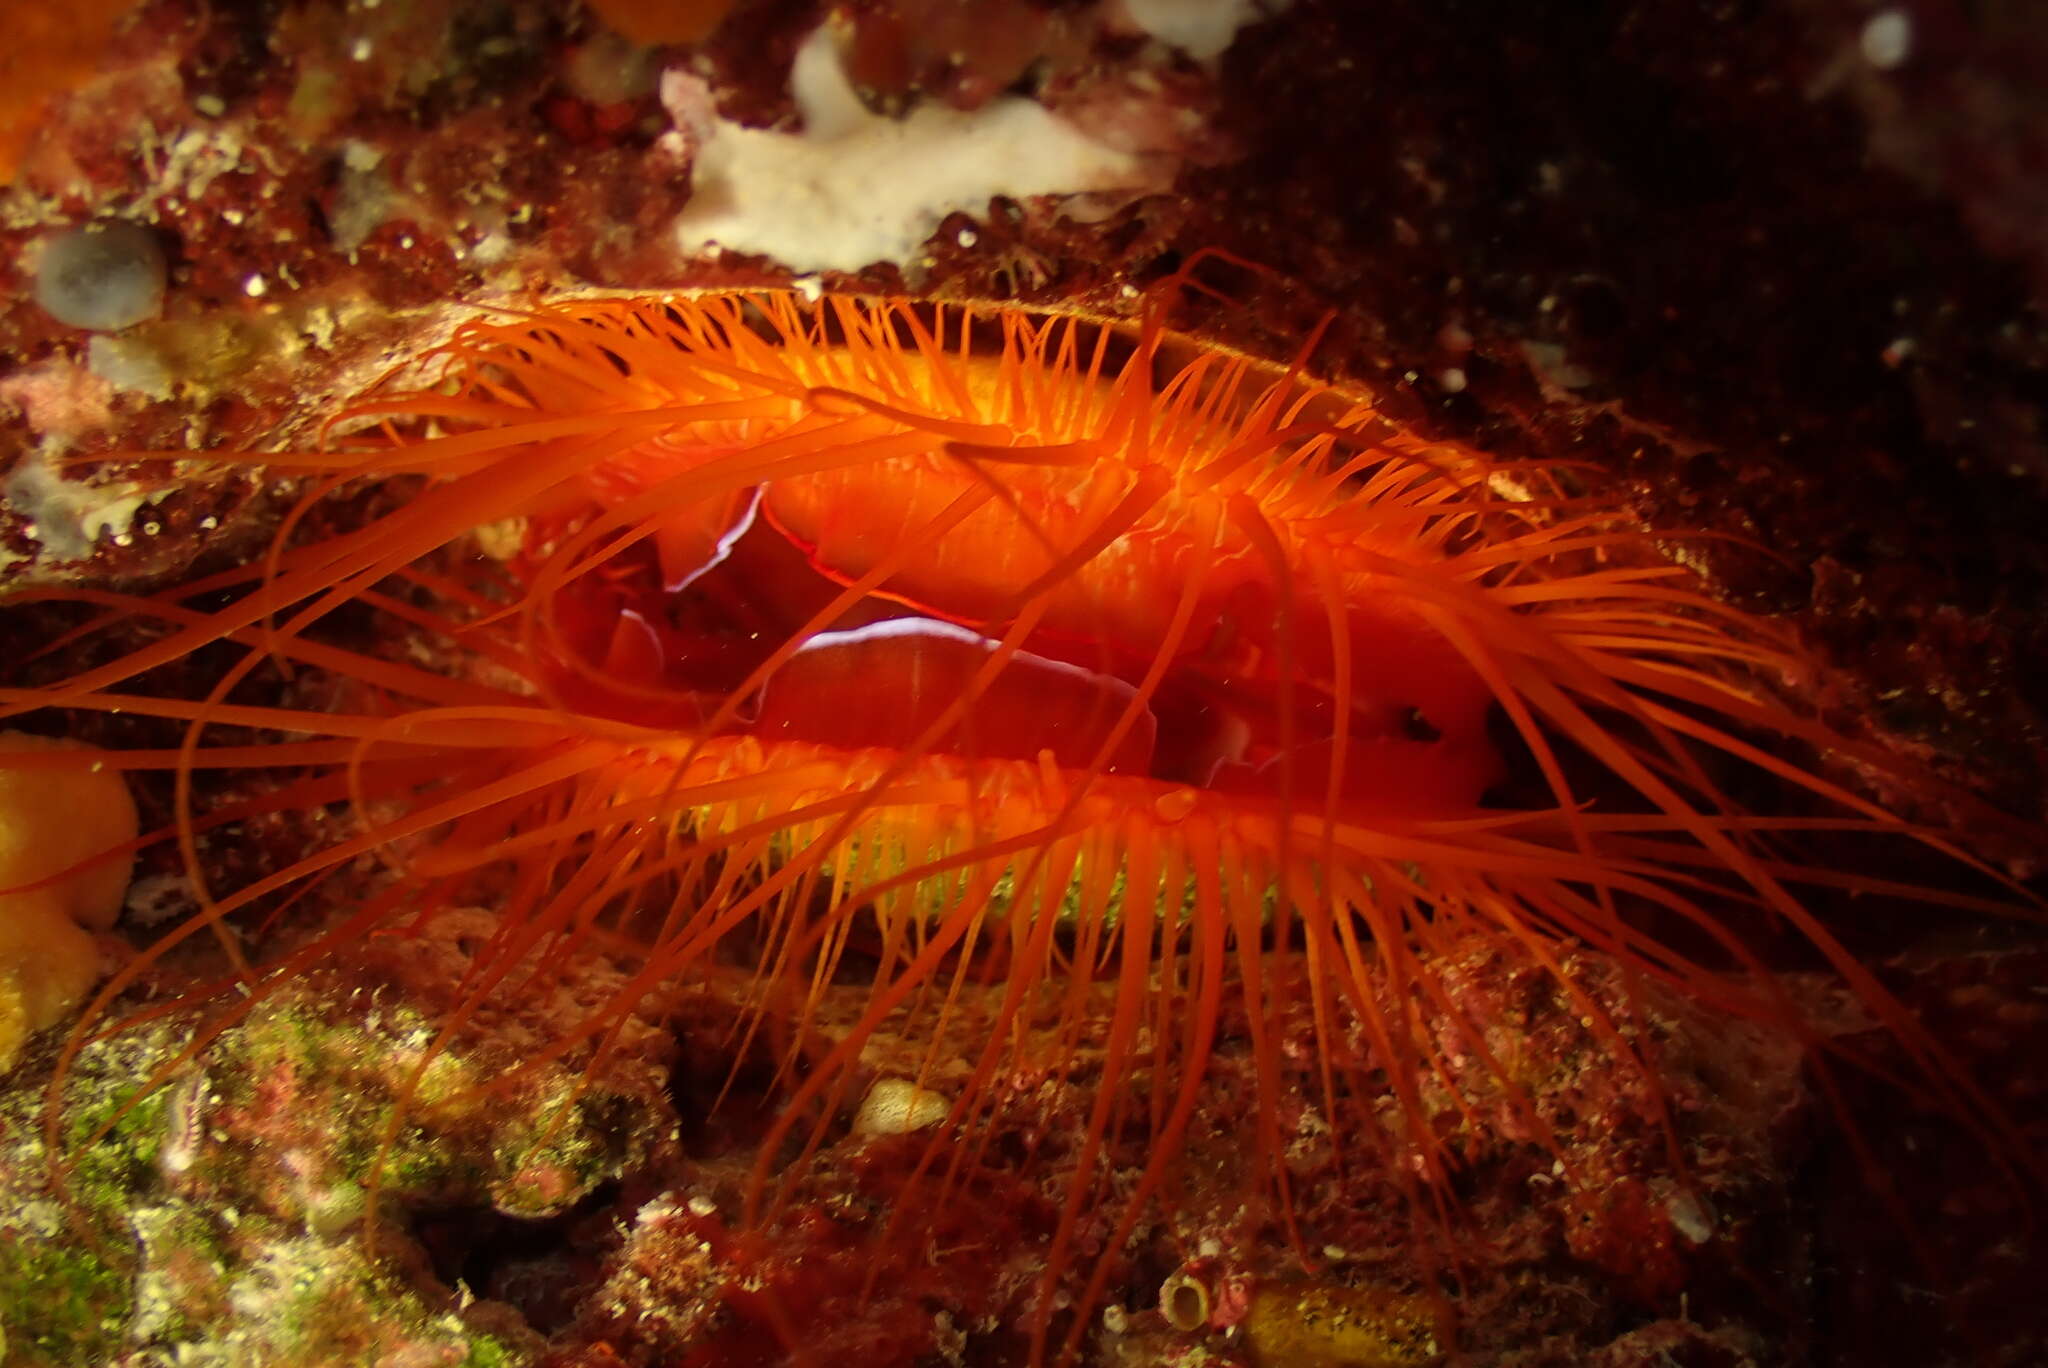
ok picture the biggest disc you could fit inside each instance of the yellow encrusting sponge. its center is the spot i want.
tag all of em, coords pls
(50, 821)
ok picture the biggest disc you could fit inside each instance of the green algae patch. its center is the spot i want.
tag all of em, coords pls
(552, 1156)
(60, 1306)
(352, 1104)
(486, 1352)
(214, 1207)
(114, 1144)
(306, 1299)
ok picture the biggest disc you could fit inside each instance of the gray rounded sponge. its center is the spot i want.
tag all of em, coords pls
(101, 276)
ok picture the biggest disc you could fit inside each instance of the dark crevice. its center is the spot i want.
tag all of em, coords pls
(542, 1268)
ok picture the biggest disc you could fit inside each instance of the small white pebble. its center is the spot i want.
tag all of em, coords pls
(360, 157)
(1690, 1217)
(1451, 380)
(896, 1106)
(1888, 39)
(968, 237)
(102, 277)
(490, 249)
(255, 287)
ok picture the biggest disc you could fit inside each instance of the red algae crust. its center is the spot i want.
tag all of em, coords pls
(602, 1212)
(1490, 213)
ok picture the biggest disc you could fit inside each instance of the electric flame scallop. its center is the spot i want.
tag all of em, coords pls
(1071, 651)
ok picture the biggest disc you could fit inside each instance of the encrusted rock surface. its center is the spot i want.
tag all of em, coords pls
(1778, 267)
